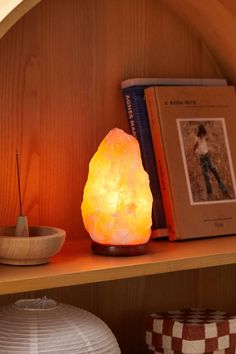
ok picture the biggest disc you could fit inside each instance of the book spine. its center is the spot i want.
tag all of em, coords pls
(129, 104)
(153, 115)
(139, 127)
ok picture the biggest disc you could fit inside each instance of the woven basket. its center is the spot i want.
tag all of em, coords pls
(45, 326)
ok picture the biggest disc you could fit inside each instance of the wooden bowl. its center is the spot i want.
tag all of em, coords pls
(42, 243)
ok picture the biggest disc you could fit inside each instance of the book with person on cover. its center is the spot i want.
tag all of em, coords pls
(194, 135)
(133, 91)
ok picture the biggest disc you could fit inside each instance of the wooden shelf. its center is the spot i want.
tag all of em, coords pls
(75, 264)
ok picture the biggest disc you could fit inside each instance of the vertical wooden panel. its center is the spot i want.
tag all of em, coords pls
(217, 288)
(230, 5)
(61, 67)
(216, 25)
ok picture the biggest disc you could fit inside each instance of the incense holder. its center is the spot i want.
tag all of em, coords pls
(42, 243)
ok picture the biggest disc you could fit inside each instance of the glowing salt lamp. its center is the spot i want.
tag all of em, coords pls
(117, 201)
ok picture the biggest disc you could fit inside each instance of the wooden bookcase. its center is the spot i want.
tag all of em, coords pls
(61, 65)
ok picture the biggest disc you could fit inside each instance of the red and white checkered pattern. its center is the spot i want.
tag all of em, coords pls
(191, 331)
(163, 351)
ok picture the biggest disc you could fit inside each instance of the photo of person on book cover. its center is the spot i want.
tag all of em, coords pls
(207, 160)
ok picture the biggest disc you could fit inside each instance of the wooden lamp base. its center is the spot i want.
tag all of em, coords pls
(118, 250)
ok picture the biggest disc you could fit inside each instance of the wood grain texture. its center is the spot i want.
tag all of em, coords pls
(75, 264)
(216, 26)
(230, 5)
(35, 248)
(11, 11)
(60, 93)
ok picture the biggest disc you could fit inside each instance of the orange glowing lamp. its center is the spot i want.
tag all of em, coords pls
(117, 200)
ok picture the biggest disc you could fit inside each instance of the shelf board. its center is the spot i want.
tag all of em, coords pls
(11, 11)
(75, 264)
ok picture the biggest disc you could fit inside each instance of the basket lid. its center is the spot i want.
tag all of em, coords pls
(192, 330)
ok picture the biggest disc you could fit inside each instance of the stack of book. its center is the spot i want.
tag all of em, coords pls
(187, 137)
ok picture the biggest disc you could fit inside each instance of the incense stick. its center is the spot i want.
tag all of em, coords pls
(18, 179)
(22, 228)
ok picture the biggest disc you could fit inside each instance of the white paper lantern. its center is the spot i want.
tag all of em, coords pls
(45, 326)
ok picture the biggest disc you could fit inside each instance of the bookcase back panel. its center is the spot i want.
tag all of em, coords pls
(205, 20)
(61, 66)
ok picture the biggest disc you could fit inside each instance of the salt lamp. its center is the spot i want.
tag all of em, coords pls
(117, 200)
